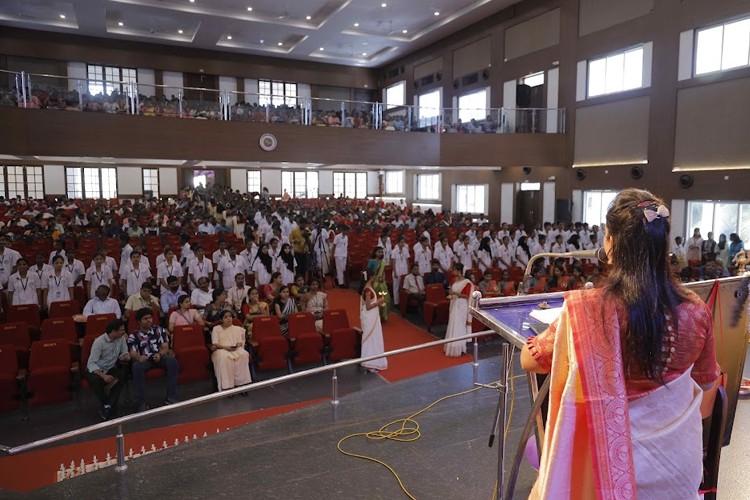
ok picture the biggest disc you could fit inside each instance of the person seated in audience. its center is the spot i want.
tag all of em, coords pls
(489, 285)
(142, 299)
(134, 230)
(283, 306)
(149, 348)
(556, 282)
(576, 280)
(102, 303)
(414, 286)
(135, 275)
(201, 296)
(435, 276)
(99, 273)
(299, 289)
(253, 308)
(218, 304)
(237, 294)
(596, 277)
(58, 286)
(230, 359)
(105, 370)
(715, 269)
(169, 297)
(207, 226)
(271, 290)
(315, 301)
(24, 287)
(185, 314)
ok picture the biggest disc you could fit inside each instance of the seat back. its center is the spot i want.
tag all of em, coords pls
(187, 336)
(16, 334)
(27, 313)
(97, 323)
(8, 360)
(333, 319)
(65, 308)
(434, 293)
(49, 354)
(301, 323)
(266, 326)
(59, 328)
(86, 351)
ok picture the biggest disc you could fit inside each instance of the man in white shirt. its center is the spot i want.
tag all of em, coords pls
(102, 303)
(230, 266)
(444, 254)
(400, 262)
(201, 295)
(143, 298)
(75, 267)
(237, 294)
(199, 267)
(506, 254)
(414, 285)
(423, 255)
(465, 253)
(136, 274)
(207, 227)
(8, 260)
(340, 254)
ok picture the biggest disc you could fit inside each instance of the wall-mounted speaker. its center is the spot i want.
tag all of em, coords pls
(402, 69)
(527, 170)
(439, 76)
(485, 74)
(636, 172)
(455, 84)
(686, 181)
(416, 84)
(580, 174)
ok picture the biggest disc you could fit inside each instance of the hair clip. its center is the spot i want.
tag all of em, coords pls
(660, 212)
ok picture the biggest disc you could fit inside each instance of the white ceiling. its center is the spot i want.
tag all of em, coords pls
(278, 28)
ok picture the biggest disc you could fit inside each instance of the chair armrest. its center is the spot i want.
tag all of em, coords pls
(74, 367)
(358, 330)
(253, 344)
(22, 373)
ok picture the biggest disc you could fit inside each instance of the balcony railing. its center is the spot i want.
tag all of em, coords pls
(43, 91)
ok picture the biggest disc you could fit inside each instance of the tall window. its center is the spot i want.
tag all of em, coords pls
(534, 79)
(350, 184)
(107, 79)
(300, 184)
(395, 95)
(595, 206)
(26, 182)
(253, 181)
(91, 182)
(394, 182)
(473, 106)
(151, 181)
(723, 47)
(277, 93)
(428, 186)
(429, 107)
(471, 199)
(723, 217)
(616, 72)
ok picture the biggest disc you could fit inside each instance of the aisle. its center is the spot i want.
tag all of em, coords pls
(398, 333)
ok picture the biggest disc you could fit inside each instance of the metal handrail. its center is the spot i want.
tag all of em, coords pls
(118, 422)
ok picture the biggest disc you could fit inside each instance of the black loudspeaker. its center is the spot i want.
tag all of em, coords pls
(636, 172)
(527, 170)
(686, 181)
(402, 69)
(416, 84)
(455, 84)
(485, 74)
(523, 96)
(580, 174)
(439, 76)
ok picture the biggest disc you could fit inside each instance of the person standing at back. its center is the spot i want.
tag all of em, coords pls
(340, 255)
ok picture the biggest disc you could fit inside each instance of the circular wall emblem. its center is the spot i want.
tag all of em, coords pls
(268, 142)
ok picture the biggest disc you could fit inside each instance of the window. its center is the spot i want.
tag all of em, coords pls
(595, 206)
(394, 182)
(91, 182)
(473, 106)
(616, 72)
(723, 47)
(395, 95)
(151, 181)
(718, 217)
(429, 107)
(300, 184)
(253, 181)
(428, 186)
(107, 79)
(277, 93)
(534, 79)
(350, 184)
(26, 182)
(471, 199)
(531, 186)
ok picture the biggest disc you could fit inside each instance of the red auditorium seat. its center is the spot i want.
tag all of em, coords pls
(436, 306)
(190, 349)
(50, 372)
(67, 308)
(17, 334)
(133, 323)
(85, 352)
(11, 378)
(307, 342)
(270, 348)
(28, 314)
(343, 340)
(60, 328)
(97, 323)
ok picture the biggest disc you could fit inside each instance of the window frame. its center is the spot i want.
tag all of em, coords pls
(622, 52)
(386, 97)
(341, 184)
(116, 81)
(485, 198)
(301, 176)
(251, 183)
(82, 172)
(603, 207)
(690, 223)
(401, 182)
(27, 179)
(463, 113)
(423, 120)
(535, 75)
(722, 25)
(268, 93)
(437, 191)
(144, 171)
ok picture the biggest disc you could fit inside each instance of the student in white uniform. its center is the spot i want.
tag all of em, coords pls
(98, 274)
(400, 261)
(58, 249)
(75, 267)
(166, 268)
(423, 255)
(199, 267)
(58, 286)
(263, 266)
(230, 266)
(41, 269)
(384, 241)
(24, 286)
(340, 254)
(137, 274)
(8, 259)
(444, 254)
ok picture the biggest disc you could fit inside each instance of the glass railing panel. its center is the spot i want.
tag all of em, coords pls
(328, 112)
(532, 121)
(358, 114)
(398, 118)
(199, 104)
(427, 119)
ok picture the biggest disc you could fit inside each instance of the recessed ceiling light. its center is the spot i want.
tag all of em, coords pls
(384, 5)
(356, 25)
(364, 53)
(249, 9)
(179, 31)
(322, 48)
(120, 24)
(437, 13)
(62, 16)
(308, 17)
(280, 44)
(192, 1)
(229, 37)
(404, 31)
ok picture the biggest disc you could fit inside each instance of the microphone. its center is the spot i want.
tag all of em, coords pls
(597, 253)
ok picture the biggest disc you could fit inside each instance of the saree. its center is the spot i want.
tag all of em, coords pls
(597, 445)
(459, 319)
(372, 332)
(381, 289)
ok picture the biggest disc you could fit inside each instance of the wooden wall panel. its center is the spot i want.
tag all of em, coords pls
(503, 149)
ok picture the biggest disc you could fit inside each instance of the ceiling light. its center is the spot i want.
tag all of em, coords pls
(404, 31)
(120, 24)
(62, 16)
(229, 37)
(249, 9)
(192, 1)
(179, 31)
(322, 48)
(437, 13)
(308, 17)
(356, 25)
(384, 5)
(364, 53)
(280, 44)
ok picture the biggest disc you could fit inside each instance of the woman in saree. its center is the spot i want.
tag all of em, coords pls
(629, 363)
(378, 280)
(253, 308)
(372, 331)
(230, 359)
(459, 319)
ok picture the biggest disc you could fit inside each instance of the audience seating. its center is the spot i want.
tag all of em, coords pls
(60, 328)
(190, 349)
(133, 323)
(17, 335)
(67, 308)
(50, 372)
(307, 343)
(436, 306)
(11, 379)
(28, 314)
(271, 350)
(85, 352)
(97, 323)
(344, 341)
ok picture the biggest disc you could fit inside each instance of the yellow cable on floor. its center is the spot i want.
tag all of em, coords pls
(406, 430)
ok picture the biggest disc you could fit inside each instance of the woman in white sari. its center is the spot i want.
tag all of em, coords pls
(459, 319)
(231, 360)
(369, 316)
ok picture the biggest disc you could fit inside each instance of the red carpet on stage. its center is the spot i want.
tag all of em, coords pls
(36, 469)
(397, 333)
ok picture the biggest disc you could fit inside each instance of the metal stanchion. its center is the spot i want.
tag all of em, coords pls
(121, 466)
(475, 364)
(334, 389)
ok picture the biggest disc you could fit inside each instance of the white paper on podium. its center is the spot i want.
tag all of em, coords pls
(546, 316)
